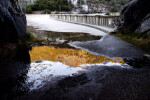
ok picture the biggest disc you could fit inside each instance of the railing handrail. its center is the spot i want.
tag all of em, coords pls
(86, 15)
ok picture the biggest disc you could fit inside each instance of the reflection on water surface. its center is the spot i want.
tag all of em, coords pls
(71, 57)
(49, 63)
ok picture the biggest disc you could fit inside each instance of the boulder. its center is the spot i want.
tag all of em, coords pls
(12, 21)
(144, 27)
(135, 16)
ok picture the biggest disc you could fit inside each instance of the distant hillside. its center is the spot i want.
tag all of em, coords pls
(49, 5)
(78, 5)
(99, 5)
(24, 3)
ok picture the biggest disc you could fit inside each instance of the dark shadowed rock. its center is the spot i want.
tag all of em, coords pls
(135, 16)
(12, 21)
(145, 25)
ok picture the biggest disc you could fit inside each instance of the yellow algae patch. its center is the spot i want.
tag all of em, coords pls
(73, 57)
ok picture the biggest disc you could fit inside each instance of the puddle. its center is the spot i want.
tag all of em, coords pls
(55, 59)
(70, 57)
(60, 39)
(46, 71)
(49, 63)
(70, 36)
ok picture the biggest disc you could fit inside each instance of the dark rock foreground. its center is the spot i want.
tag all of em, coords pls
(12, 21)
(136, 16)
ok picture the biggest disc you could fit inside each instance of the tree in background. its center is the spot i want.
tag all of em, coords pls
(51, 5)
(114, 7)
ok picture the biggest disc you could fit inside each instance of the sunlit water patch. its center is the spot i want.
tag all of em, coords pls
(44, 71)
(49, 62)
(71, 57)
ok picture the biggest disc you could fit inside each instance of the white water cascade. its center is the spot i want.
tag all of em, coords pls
(79, 5)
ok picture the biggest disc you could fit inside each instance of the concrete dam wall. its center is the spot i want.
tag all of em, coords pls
(108, 21)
